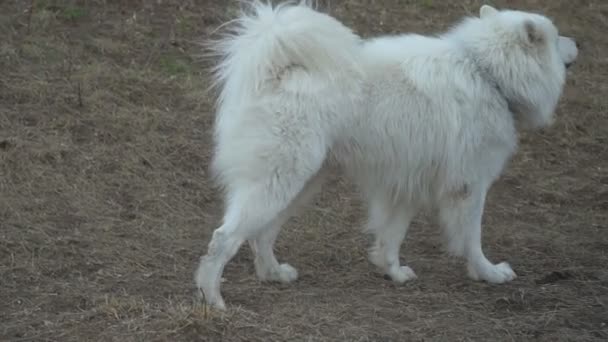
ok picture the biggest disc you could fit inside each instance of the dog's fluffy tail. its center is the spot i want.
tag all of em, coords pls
(267, 40)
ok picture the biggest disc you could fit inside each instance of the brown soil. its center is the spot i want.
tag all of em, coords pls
(106, 204)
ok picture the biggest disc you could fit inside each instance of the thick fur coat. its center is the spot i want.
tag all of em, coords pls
(417, 122)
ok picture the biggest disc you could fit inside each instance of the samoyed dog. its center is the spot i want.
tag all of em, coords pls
(417, 122)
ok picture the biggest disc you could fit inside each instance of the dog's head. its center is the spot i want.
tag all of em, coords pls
(525, 55)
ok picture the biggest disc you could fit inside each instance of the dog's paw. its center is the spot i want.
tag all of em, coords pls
(208, 284)
(495, 274)
(285, 273)
(213, 302)
(402, 274)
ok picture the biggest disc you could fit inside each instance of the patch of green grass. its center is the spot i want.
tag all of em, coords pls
(427, 3)
(186, 24)
(174, 66)
(73, 13)
(42, 4)
(67, 12)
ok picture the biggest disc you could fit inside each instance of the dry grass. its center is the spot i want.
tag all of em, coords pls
(105, 203)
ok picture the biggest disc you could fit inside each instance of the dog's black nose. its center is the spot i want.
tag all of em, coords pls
(578, 45)
(568, 65)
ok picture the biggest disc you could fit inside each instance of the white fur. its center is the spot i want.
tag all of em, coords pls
(417, 122)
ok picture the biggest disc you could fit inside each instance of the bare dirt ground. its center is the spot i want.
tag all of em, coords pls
(106, 205)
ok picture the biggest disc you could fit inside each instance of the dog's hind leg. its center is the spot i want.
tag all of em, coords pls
(256, 197)
(266, 265)
(250, 210)
(389, 223)
(461, 221)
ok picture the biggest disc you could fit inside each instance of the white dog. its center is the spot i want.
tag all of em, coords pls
(417, 122)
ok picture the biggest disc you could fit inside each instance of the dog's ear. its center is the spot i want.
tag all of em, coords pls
(487, 11)
(533, 33)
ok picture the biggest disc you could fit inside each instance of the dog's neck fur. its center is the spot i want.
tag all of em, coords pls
(514, 107)
(492, 81)
(473, 50)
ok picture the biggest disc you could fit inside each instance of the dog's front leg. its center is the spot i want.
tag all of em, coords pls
(461, 218)
(389, 223)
